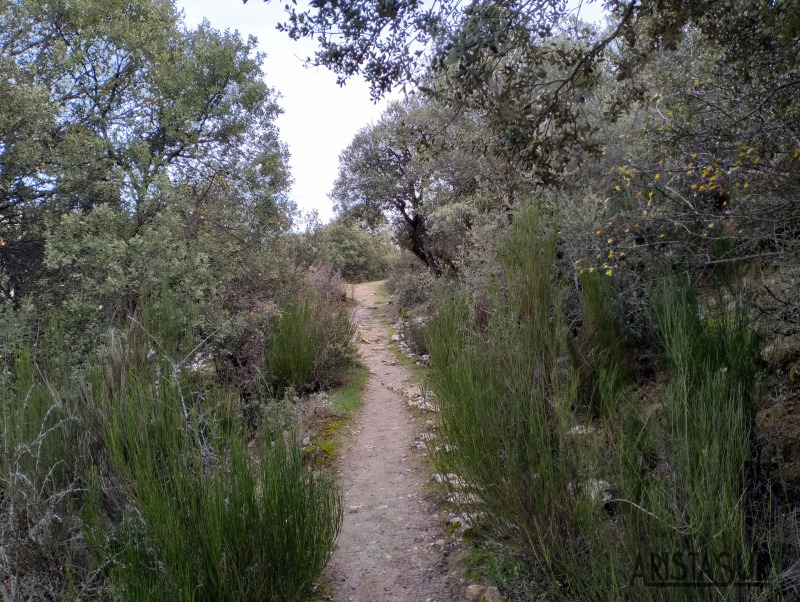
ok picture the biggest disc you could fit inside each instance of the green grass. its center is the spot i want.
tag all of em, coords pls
(492, 563)
(144, 483)
(326, 444)
(381, 292)
(309, 345)
(348, 398)
(666, 475)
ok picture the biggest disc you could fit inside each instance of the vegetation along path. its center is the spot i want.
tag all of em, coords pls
(391, 545)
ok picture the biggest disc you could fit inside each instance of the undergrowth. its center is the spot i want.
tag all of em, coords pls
(135, 476)
(608, 494)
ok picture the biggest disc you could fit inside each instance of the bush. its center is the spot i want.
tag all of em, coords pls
(589, 493)
(505, 395)
(202, 519)
(309, 345)
(136, 478)
(409, 281)
(356, 254)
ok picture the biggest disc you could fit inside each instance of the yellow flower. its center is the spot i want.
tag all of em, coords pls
(661, 236)
(658, 175)
(711, 225)
(609, 272)
(617, 188)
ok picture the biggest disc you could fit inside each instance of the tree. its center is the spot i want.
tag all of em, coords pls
(529, 67)
(402, 169)
(117, 103)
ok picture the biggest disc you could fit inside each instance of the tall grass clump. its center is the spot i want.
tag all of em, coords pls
(309, 344)
(42, 445)
(603, 498)
(505, 386)
(203, 515)
(133, 478)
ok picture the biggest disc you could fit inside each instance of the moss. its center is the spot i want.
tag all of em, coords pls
(325, 445)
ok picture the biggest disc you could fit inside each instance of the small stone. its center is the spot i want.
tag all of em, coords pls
(483, 593)
(439, 542)
(493, 595)
(324, 412)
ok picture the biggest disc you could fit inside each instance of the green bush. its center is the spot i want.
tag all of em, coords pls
(309, 345)
(409, 281)
(135, 477)
(356, 254)
(203, 519)
(589, 495)
(505, 393)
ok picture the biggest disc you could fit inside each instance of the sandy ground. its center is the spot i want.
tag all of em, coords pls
(392, 546)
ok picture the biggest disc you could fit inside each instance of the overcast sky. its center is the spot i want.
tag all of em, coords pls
(320, 118)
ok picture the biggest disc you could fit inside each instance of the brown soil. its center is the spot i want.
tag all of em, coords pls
(392, 545)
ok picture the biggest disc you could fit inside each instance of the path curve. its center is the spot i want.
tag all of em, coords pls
(391, 547)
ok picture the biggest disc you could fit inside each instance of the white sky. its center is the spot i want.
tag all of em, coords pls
(320, 118)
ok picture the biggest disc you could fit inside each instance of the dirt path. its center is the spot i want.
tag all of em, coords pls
(391, 546)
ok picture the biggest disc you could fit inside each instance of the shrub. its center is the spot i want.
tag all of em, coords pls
(505, 392)
(135, 477)
(356, 254)
(589, 495)
(41, 441)
(202, 518)
(410, 282)
(309, 345)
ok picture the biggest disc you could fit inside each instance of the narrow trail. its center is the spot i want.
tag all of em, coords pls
(391, 546)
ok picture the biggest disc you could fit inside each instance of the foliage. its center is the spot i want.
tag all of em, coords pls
(399, 171)
(356, 254)
(409, 282)
(135, 476)
(309, 345)
(585, 492)
(503, 398)
(209, 522)
(124, 107)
